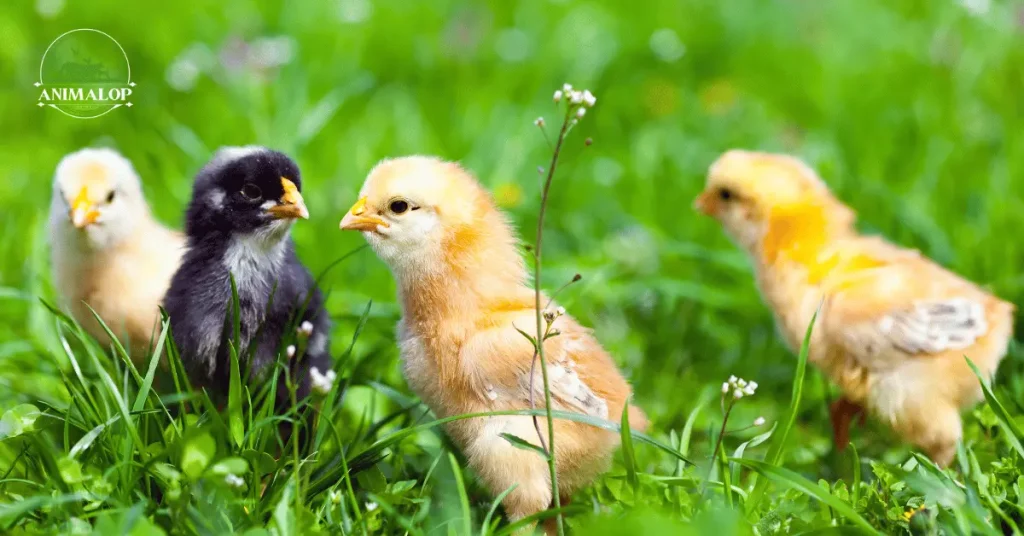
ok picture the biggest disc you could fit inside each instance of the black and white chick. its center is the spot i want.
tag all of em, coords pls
(244, 202)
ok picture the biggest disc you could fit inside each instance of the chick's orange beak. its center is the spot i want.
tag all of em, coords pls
(707, 203)
(83, 211)
(358, 219)
(291, 204)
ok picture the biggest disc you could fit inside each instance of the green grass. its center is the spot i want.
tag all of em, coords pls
(911, 110)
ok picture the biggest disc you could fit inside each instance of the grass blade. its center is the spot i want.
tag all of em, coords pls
(235, 423)
(1006, 422)
(91, 436)
(154, 361)
(467, 514)
(855, 485)
(528, 521)
(521, 443)
(118, 347)
(628, 457)
(752, 442)
(778, 445)
(486, 529)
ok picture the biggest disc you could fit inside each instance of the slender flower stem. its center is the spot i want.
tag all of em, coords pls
(550, 448)
(718, 444)
(533, 405)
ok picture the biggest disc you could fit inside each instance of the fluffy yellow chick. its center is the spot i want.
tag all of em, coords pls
(894, 326)
(462, 287)
(107, 250)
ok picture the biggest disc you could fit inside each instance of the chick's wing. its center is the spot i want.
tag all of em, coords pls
(581, 375)
(884, 305)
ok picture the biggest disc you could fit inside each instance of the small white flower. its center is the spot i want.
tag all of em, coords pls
(581, 112)
(234, 481)
(567, 88)
(759, 421)
(290, 351)
(336, 497)
(306, 328)
(322, 383)
(558, 96)
(739, 387)
(539, 121)
(589, 99)
(371, 506)
(552, 314)
(576, 97)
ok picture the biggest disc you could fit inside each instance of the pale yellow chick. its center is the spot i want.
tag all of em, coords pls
(894, 326)
(107, 250)
(463, 291)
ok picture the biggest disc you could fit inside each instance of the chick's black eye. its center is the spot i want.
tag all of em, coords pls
(251, 191)
(399, 206)
(110, 197)
(725, 194)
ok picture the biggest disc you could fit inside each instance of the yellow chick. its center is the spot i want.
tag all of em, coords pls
(894, 326)
(463, 290)
(107, 250)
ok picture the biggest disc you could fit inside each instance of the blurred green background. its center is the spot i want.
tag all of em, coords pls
(911, 110)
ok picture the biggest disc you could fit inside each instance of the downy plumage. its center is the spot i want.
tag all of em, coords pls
(108, 252)
(463, 290)
(244, 202)
(894, 326)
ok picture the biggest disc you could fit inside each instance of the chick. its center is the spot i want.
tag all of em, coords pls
(894, 326)
(462, 287)
(244, 202)
(108, 252)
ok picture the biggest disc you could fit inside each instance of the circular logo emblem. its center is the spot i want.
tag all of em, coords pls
(84, 73)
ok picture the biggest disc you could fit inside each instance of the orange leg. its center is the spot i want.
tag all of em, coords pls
(843, 412)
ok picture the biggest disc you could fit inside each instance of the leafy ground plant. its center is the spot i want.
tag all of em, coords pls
(118, 455)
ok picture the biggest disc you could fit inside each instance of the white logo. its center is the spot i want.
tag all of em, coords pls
(85, 74)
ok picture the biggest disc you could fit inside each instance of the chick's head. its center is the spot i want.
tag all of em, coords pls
(96, 194)
(246, 190)
(748, 192)
(417, 211)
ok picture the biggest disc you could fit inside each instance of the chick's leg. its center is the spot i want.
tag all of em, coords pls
(842, 413)
(500, 466)
(934, 427)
